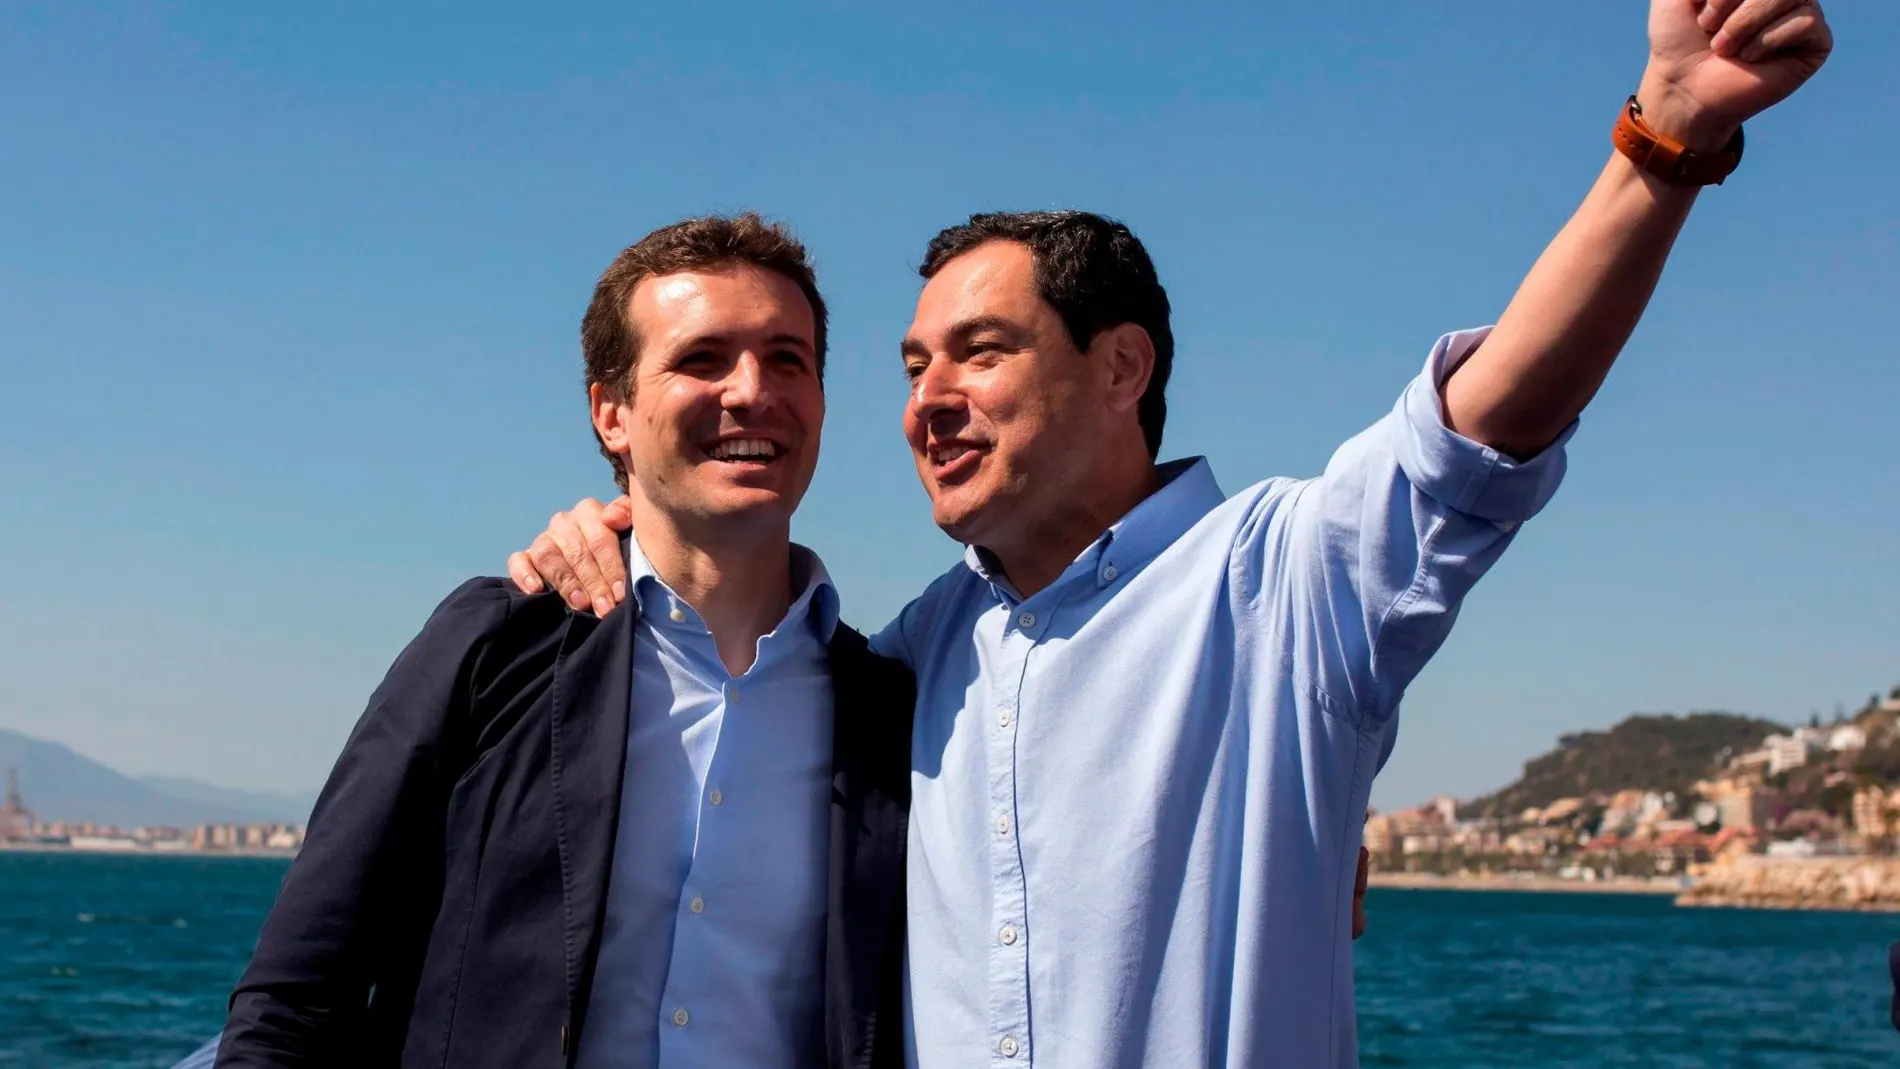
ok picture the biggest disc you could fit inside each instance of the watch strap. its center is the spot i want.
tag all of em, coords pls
(1669, 159)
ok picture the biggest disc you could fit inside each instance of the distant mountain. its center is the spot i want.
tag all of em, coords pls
(60, 784)
(1662, 753)
(267, 805)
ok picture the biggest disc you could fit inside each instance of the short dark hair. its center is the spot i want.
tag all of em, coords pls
(609, 343)
(1093, 272)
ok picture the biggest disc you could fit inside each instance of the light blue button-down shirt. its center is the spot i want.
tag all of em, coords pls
(712, 950)
(1138, 794)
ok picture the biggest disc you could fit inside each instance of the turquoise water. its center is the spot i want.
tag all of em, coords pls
(125, 961)
(1484, 979)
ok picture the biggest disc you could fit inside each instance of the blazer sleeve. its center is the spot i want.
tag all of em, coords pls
(372, 845)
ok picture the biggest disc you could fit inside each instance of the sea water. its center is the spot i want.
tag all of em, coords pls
(120, 961)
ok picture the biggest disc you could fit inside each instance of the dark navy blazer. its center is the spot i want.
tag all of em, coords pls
(446, 907)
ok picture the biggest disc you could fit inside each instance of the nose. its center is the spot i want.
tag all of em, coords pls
(746, 386)
(934, 390)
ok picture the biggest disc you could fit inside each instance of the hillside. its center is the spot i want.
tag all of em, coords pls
(261, 805)
(60, 784)
(1663, 753)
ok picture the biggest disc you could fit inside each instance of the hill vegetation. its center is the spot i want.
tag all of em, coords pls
(1651, 752)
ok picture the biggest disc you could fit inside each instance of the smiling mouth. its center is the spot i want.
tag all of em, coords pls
(746, 451)
(951, 460)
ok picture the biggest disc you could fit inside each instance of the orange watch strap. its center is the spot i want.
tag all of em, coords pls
(1667, 158)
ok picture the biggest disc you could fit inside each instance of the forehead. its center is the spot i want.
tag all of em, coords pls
(997, 279)
(731, 300)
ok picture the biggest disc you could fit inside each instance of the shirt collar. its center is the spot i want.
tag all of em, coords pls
(816, 604)
(1188, 492)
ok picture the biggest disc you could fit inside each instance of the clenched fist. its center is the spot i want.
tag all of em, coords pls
(1714, 64)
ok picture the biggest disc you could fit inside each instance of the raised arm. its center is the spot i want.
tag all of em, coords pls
(1712, 66)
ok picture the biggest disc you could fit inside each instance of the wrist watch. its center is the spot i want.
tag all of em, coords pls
(1669, 159)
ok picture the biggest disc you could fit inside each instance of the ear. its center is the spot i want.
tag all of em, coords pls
(611, 416)
(1126, 355)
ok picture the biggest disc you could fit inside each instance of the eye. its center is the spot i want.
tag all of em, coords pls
(697, 360)
(912, 369)
(790, 359)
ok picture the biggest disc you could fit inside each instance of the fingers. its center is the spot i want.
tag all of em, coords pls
(619, 514)
(578, 557)
(1714, 12)
(1800, 30)
(1744, 24)
(521, 570)
(603, 545)
(591, 589)
(546, 558)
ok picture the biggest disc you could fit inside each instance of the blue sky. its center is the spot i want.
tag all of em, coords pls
(289, 297)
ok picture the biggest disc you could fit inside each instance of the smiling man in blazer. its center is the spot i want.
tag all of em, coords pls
(670, 837)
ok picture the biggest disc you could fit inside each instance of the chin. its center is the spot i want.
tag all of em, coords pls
(748, 507)
(960, 521)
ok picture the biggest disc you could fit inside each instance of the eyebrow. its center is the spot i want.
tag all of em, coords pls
(912, 346)
(781, 338)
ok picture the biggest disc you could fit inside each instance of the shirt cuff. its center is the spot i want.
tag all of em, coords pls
(1454, 470)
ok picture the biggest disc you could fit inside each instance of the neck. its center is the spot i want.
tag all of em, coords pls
(740, 582)
(1038, 556)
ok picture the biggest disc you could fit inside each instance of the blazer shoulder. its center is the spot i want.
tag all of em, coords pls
(493, 649)
(490, 607)
(490, 626)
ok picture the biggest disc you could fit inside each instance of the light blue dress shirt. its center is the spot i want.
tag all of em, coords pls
(712, 950)
(1138, 795)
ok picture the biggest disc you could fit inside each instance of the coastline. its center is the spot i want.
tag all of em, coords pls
(138, 851)
(1413, 881)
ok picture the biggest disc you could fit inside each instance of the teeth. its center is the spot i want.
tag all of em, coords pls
(948, 453)
(744, 447)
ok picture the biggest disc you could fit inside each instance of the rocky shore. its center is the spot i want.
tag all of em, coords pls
(1839, 883)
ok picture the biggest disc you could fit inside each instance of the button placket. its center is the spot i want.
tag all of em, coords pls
(1008, 988)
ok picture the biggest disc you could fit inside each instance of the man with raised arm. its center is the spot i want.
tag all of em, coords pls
(1150, 713)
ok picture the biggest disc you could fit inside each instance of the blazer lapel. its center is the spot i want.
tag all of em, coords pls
(593, 680)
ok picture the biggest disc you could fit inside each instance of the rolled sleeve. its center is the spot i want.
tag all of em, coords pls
(1454, 470)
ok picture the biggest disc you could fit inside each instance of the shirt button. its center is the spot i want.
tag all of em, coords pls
(676, 616)
(699, 905)
(1002, 824)
(1007, 935)
(715, 797)
(1108, 574)
(1008, 1046)
(680, 1018)
(1026, 620)
(1002, 718)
